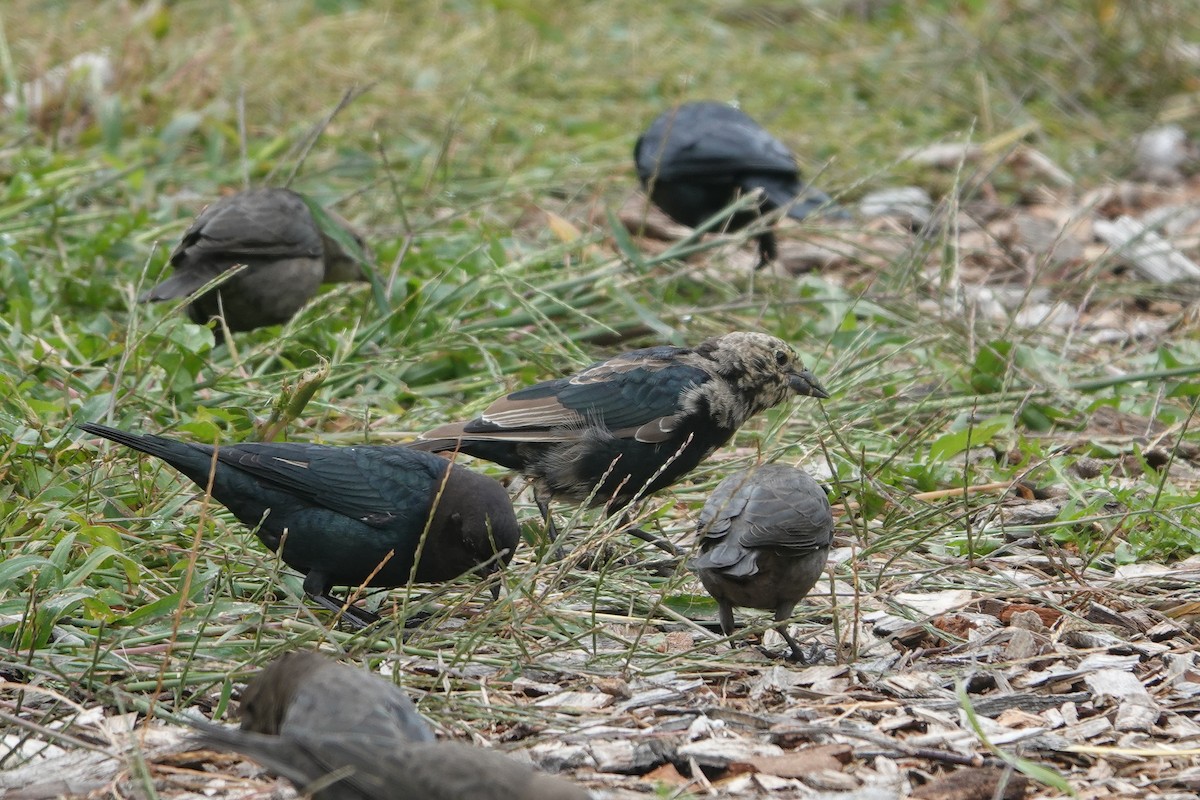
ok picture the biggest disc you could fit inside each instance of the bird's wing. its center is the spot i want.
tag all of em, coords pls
(786, 518)
(371, 484)
(633, 396)
(262, 224)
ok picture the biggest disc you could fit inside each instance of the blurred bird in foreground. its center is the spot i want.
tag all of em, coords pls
(696, 159)
(364, 767)
(766, 534)
(348, 516)
(304, 692)
(287, 254)
(344, 734)
(626, 427)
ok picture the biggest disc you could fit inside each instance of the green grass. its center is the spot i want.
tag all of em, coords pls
(475, 120)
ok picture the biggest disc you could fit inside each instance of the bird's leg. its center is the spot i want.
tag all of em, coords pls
(797, 653)
(815, 653)
(543, 504)
(542, 499)
(767, 249)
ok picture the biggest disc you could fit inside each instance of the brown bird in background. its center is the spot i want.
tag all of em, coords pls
(305, 692)
(766, 534)
(287, 254)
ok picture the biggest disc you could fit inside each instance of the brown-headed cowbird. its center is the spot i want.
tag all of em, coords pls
(766, 534)
(286, 253)
(305, 692)
(696, 159)
(634, 424)
(349, 515)
(364, 767)
(308, 718)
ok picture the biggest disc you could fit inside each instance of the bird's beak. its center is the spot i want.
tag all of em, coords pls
(804, 382)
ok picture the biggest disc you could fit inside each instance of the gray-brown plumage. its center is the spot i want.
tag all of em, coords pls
(364, 767)
(766, 534)
(305, 692)
(287, 256)
(634, 424)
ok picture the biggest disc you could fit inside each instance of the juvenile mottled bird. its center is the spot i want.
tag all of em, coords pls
(634, 424)
(766, 534)
(287, 258)
(363, 767)
(696, 159)
(341, 512)
(305, 692)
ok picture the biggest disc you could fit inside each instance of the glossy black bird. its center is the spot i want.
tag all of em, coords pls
(696, 159)
(306, 692)
(634, 424)
(765, 537)
(348, 510)
(364, 767)
(286, 253)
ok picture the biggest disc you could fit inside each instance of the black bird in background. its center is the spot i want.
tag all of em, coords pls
(697, 158)
(287, 258)
(305, 692)
(629, 426)
(765, 537)
(341, 512)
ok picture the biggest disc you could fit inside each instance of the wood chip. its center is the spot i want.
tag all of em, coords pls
(799, 763)
(1151, 255)
(974, 783)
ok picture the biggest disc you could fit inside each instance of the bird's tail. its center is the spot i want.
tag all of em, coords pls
(799, 201)
(271, 751)
(193, 460)
(154, 445)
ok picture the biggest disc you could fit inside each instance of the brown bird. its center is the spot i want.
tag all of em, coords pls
(304, 692)
(364, 767)
(286, 253)
(766, 534)
(629, 426)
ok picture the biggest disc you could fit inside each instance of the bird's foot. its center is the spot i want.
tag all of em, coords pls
(357, 618)
(657, 541)
(663, 568)
(815, 655)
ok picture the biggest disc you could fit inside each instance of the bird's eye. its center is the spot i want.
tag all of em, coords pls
(781, 358)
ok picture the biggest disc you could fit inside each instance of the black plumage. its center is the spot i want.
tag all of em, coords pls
(305, 692)
(634, 424)
(287, 256)
(350, 511)
(765, 537)
(698, 158)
